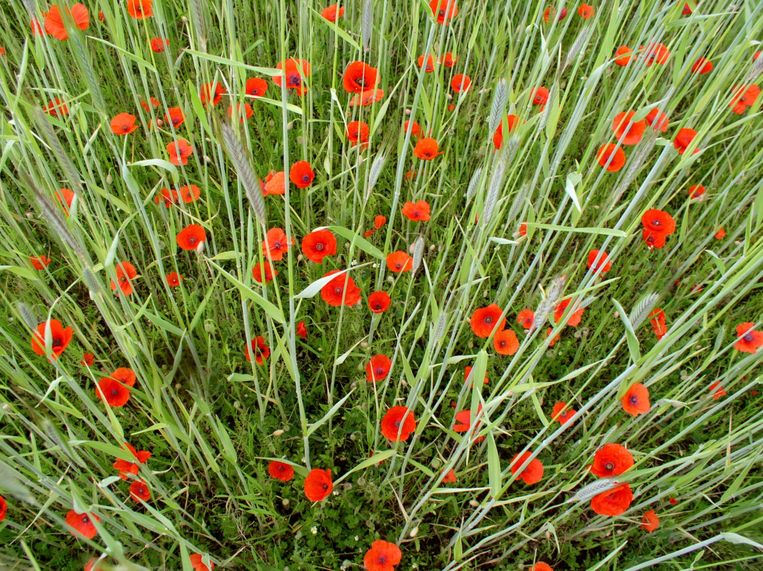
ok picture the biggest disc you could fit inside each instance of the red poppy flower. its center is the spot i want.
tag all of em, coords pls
(39, 262)
(526, 318)
(113, 392)
(614, 501)
(561, 307)
(383, 556)
(426, 62)
(367, 98)
(485, 320)
(158, 45)
(658, 120)
(611, 460)
(586, 11)
(512, 122)
(197, 562)
(87, 359)
(686, 10)
(301, 174)
(332, 13)
(378, 368)
(173, 279)
(468, 371)
(649, 521)
(720, 234)
(302, 330)
(295, 70)
(658, 221)
(276, 244)
(274, 184)
(623, 55)
(82, 524)
(123, 124)
(562, 413)
(426, 149)
(37, 29)
(125, 467)
(124, 375)
(550, 13)
(56, 108)
(657, 321)
(260, 348)
(398, 424)
(192, 237)
(175, 116)
(450, 477)
(696, 191)
(359, 77)
(636, 400)
(717, 390)
(340, 290)
(540, 96)
(139, 491)
(166, 196)
(256, 87)
(744, 97)
(532, 473)
(554, 339)
(126, 272)
(319, 244)
(462, 421)
(399, 262)
(211, 93)
(243, 111)
(3, 508)
(179, 151)
(598, 261)
(379, 221)
(280, 471)
(702, 66)
(140, 9)
(379, 301)
(152, 103)
(444, 10)
(748, 340)
(269, 272)
(505, 342)
(415, 128)
(416, 211)
(60, 337)
(54, 21)
(683, 139)
(656, 53)
(626, 130)
(358, 132)
(318, 485)
(189, 193)
(460, 83)
(611, 157)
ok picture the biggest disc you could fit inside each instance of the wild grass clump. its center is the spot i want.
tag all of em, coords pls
(386, 285)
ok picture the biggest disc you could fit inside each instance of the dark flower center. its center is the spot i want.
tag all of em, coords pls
(320, 247)
(489, 319)
(294, 79)
(379, 371)
(305, 178)
(609, 466)
(114, 391)
(325, 486)
(85, 519)
(338, 291)
(633, 399)
(382, 560)
(277, 245)
(192, 239)
(748, 336)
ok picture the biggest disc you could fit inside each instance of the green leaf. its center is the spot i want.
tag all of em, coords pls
(249, 293)
(493, 465)
(358, 241)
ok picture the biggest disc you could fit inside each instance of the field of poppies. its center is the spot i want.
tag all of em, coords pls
(381, 285)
